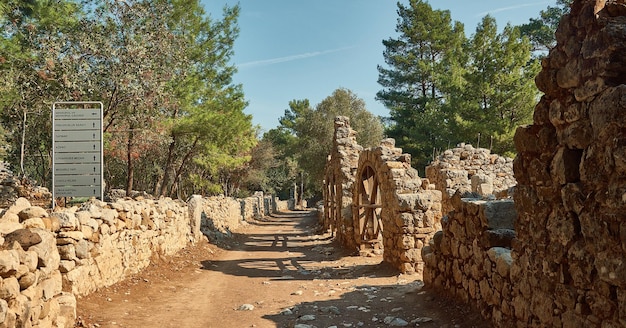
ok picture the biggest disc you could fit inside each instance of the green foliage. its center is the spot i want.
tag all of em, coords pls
(30, 43)
(305, 135)
(174, 120)
(541, 30)
(442, 88)
(419, 62)
(498, 92)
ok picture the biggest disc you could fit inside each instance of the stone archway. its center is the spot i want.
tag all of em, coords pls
(393, 208)
(332, 206)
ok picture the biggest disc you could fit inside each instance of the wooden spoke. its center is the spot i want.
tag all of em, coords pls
(369, 206)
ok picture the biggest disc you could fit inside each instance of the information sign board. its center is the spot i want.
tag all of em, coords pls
(77, 149)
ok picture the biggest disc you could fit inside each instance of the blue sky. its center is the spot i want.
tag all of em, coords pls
(297, 49)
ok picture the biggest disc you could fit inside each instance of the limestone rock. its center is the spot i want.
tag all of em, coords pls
(67, 220)
(32, 212)
(6, 227)
(47, 253)
(25, 237)
(9, 262)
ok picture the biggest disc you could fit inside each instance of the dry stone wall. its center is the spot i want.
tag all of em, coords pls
(31, 293)
(470, 257)
(340, 170)
(102, 243)
(466, 168)
(571, 171)
(47, 259)
(221, 215)
(567, 259)
(410, 211)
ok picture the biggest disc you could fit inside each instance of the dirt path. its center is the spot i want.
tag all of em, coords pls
(274, 273)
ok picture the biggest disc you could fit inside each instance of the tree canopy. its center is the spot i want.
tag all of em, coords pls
(540, 30)
(173, 118)
(443, 88)
(305, 136)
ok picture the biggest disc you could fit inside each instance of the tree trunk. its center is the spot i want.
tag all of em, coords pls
(169, 164)
(168, 168)
(179, 171)
(23, 146)
(130, 168)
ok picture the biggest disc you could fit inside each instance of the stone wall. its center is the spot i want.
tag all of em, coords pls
(376, 202)
(410, 212)
(470, 258)
(103, 243)
(31, 282)
(221, 215)
(571, 171)
(283, 205)
(47, 259)
(340, 169)
(466, 168)
(567, 260)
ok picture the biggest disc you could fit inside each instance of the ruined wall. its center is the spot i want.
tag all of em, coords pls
(46, 259)
(410, 212)
(339, 179)
(571, 171)
(30, 278)
(466, 168)
(470, 258)
(283, 205)
(568, 267)
(103, 243)
(221, 215)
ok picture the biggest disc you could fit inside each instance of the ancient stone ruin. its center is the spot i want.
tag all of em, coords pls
(376, 202)
(340, 174)
(468, 169)
(565, 265)
(49, 259)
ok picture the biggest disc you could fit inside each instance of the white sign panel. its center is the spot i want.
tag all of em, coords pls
(77, 149)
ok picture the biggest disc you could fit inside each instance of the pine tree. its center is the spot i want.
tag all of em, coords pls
(541, 30)
(413, 81)
(498, 92)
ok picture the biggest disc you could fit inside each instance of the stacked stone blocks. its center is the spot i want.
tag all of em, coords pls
(465, 168)
(470, 258)
(47, 259)
(340, 171)
(410, 212)
(567, 259)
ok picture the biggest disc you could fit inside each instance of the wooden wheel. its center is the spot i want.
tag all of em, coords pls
(369, 207)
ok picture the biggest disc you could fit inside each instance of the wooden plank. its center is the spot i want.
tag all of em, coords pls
(371, 206)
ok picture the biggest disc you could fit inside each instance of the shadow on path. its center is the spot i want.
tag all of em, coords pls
(285, 246)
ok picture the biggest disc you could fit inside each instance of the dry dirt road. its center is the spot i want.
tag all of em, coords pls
(276, 272)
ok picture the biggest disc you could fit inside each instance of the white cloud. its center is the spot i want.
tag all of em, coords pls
(278, 60)
(497, 10)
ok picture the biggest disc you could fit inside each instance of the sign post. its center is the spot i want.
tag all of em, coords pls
(77, 168)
